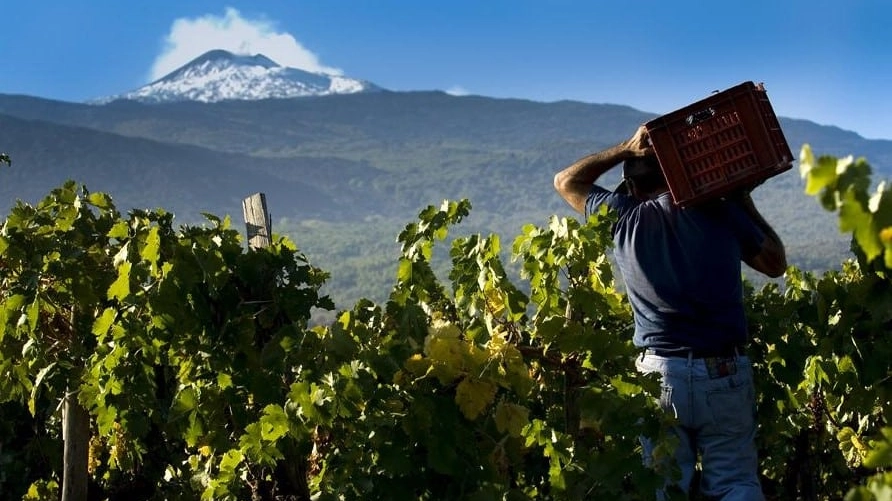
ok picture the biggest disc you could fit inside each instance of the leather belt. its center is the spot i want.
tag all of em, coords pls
(725, 352)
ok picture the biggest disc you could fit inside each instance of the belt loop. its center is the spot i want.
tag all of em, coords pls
(690, 358)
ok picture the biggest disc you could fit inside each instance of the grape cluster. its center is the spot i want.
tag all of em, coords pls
(818, 408)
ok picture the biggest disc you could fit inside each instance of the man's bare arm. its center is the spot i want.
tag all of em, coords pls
(575, 181)
(772, 257)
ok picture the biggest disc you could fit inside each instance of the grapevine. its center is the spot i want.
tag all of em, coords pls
(204, 376)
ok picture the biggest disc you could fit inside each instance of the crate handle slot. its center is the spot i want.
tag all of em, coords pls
(700, 116)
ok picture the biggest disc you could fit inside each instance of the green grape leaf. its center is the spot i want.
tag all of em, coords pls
(100, 200)
(41, 374)
(32, 315)
(42, 490)
(120, 230)
(185, 401)
(625, 388)
(853, 218)
(310, 399)
(818, 175)
(404, 270)
(120, 288)
(121, 256)
(153, 242)
(195, 429)
(880, 455)
(274, 423)
(103, 323)
(229, 462)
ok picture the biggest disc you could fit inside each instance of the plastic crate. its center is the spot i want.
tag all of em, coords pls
(729, 140)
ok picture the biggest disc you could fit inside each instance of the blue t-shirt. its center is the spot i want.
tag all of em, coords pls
(681, 268)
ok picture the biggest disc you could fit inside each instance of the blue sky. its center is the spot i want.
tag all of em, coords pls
(825, 61)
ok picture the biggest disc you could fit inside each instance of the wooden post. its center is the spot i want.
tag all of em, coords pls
(76, 439)
(257, 221)
(290, 474)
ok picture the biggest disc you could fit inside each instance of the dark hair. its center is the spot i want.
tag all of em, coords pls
(645, 172)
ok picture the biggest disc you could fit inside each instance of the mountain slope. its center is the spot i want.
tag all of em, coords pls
(419, 147)
(341, 125)
(220, 75)
(186, 180)
(343, 174)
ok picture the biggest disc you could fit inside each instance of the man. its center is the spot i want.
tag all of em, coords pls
(682, 271)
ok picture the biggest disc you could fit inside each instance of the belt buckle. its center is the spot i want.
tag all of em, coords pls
(718, 367)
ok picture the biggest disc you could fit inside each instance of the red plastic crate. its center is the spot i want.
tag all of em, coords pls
(729, 140)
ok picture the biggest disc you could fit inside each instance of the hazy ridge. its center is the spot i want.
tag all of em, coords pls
(344, 173)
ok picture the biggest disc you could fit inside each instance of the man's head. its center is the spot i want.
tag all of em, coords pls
(643, 176)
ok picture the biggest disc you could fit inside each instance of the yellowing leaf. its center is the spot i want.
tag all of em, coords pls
(495, 301)
(443, 329)
(224, 380)
(448, 351)
(473, 396)
(511, 418)
(851, 446)
(417, 365)
(477, 357)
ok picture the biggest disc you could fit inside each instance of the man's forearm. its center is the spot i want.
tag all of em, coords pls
(575, 181)
(772, 258)
(589, 168)
(760, 221)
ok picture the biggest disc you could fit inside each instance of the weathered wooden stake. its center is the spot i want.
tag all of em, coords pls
(257, 221)
(76, 438)
(292, 472)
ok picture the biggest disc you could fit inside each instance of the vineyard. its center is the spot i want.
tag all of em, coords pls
(143, 361)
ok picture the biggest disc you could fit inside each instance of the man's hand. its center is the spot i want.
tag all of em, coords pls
(575, 182)
(639, 144)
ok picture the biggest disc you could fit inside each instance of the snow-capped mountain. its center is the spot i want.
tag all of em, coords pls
(221, 75)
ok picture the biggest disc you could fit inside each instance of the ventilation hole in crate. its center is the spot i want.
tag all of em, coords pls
(697, 168)
(734, 151)
(703, 164)
(698, 149)
(737, 133)
(706, 180)
(739, 169)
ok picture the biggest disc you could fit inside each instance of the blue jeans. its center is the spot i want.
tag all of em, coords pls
(715, 420)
